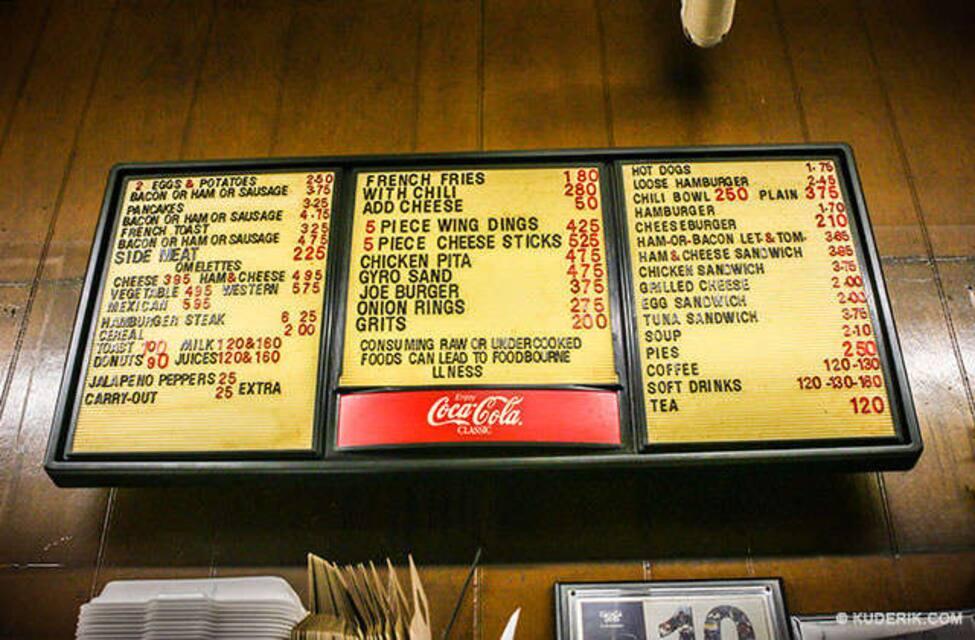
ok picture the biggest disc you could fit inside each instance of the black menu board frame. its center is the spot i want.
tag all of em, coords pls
(94, 289)
(877, 303)
(621, 359)
(898, 452)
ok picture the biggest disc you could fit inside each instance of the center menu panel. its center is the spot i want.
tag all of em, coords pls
(476, 277)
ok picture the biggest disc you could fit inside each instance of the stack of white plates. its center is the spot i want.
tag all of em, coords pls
(263, 607)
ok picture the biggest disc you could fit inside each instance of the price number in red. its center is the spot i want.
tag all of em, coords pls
(307, 281)
(868, 404)
(197, 297)
(304, 324)
(225, 385)
(176, 279)
(586, 273)
(582, 185)
(319, 184)
(155, 354)
(822, 187)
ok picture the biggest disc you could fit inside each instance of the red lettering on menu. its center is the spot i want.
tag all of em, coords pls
(857, 357)
(587, 275)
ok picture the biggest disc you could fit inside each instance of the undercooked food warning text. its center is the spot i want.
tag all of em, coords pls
(478, 276)
(208, 329)
(752, 319)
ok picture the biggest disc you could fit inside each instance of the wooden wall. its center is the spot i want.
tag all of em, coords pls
(86, 84)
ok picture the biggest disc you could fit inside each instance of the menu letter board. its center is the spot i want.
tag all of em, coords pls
(475, 277)
(481, 276)
(209, 322)
(753, 322)
(579, 309)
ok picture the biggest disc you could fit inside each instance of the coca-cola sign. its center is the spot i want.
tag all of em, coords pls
(475, 416)
(478, 416)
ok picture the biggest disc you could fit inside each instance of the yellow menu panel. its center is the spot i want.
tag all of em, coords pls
(479, 276)
(209, 324)
(752, 320)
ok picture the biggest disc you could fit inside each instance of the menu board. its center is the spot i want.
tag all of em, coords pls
(752, 320)
(209, 320)
(483, 276)
(614, 308)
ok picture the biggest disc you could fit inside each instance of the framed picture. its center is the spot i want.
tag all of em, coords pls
(913, 625)
(687, 610)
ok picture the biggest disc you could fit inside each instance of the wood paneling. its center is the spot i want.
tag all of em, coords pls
(536, 518)
(937, 581)
(784, 513)
(705, 569)
(958, 280)
(930, 506)
(448, 76)
(926, 59)
(349, 83)
(51, 525)
(664, 92)
(138, 111)
(811, 583)
(180, 519)
(41, 602)
(543, 85)
(443, 586)
(43, 126)
(13, 303)
(238, 98)
(20, 27)
(13, 300)
(843, 99)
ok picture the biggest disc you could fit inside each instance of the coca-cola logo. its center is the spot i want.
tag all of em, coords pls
(473, 416)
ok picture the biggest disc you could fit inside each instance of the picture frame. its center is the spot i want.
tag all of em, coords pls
(752, 609)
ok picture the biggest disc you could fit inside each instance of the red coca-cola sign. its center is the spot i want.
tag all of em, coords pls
(466, 410)
(529, 416)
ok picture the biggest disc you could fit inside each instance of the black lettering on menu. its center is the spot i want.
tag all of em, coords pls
(747, 292)
(477, 276)
(207, 330)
